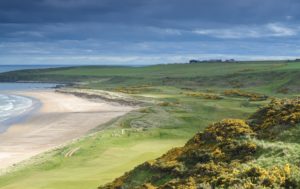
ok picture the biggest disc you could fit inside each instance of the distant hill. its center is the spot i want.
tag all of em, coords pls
(277, 76)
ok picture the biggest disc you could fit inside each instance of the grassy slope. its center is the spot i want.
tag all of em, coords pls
(93, 164)
(262, 152)
(105, 155)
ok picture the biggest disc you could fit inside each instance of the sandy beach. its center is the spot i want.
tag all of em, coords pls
(61, 118)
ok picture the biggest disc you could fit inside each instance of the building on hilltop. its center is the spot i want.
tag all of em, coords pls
(193, 61)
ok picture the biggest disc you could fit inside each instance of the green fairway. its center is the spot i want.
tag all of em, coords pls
(95, 163)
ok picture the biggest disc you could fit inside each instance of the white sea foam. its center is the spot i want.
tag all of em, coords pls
(12, 106)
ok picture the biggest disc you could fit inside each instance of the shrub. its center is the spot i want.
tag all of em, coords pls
(148, 186)
(250, 96)
(227, 129)
(188, 183)
(208, 96)
(275, 177)
(276, 116)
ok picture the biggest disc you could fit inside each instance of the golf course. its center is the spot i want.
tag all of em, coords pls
(171, 103)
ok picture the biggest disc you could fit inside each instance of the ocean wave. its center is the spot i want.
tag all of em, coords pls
(13, 106)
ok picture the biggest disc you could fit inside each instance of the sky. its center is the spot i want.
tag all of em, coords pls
(142, 32)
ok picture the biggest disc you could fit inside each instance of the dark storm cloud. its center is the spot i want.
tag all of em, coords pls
(148, 12)
(149, 28)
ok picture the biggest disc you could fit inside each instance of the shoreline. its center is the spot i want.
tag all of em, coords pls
(59, 119)
(36, 105)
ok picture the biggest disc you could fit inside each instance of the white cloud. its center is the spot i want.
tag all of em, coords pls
(238, 32)
(129, 59)
(172, 31)
(279, 30)
(234, 33)
(165, 31)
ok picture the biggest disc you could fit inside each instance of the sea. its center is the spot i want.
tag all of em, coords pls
(14, 108)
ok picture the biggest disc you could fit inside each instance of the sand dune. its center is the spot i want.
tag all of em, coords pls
(61, 118)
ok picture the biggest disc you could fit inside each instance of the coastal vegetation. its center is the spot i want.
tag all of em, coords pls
(241, 128)
(250, 96)
(205, 95)
(225, 155)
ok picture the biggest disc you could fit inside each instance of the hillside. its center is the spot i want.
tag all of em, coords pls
(276, 76)
(230, 153)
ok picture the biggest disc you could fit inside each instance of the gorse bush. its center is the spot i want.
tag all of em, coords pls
(208, 96)
(223, 156)
(227, 129)
(250, 96)
(278, 115)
